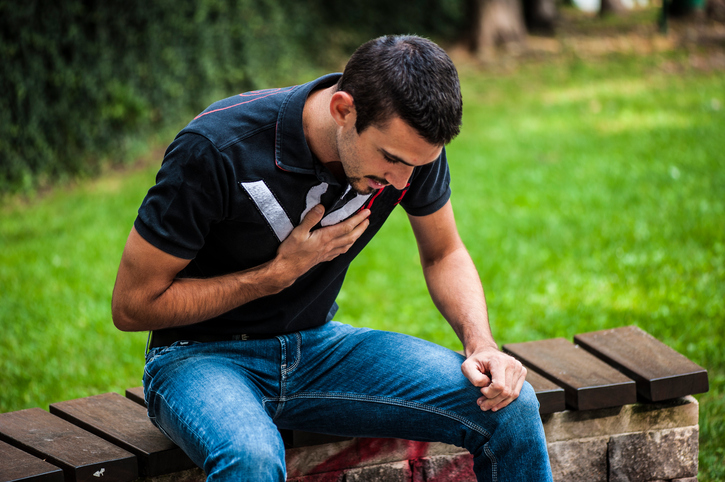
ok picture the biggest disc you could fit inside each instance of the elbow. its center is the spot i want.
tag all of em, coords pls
(122, 319)
(122, 322)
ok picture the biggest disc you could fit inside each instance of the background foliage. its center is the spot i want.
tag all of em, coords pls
(80, 79)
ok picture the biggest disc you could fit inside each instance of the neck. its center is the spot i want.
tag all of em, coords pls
(320, 127)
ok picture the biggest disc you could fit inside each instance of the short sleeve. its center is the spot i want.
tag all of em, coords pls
(429, 188)
(190, 194)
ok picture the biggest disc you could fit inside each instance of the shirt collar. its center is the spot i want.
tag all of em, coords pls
(291, 150)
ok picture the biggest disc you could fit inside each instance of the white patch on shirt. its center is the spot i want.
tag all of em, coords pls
(346, 211)
(314, 196)
(277, 218)
(270, 208)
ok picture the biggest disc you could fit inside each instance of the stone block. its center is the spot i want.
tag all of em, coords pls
(661, 454)
(686, 479)
(393, 472)
(444, 468)
(360, 452)
(336, 476)
(582, 460)
(639, 417)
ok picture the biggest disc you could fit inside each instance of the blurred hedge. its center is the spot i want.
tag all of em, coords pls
(79, 78)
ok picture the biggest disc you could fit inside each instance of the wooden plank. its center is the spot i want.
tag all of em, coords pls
(588, 382)
(661, 373)
(125, 423)
(136, 394)
(550, 395)
(83, 456)
(19, 466)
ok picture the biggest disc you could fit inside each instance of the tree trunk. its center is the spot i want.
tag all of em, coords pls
(716, 10)
(497, 23)
(611, 6)
(540, 16)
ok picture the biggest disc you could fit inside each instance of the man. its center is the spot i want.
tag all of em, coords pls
(241, 247)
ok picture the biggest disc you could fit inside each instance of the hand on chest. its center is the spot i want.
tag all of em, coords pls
(284, 208)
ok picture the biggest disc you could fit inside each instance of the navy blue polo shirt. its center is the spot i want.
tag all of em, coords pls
(238, 179)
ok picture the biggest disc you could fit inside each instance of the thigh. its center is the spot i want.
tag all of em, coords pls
(214, 409)
(379, 383)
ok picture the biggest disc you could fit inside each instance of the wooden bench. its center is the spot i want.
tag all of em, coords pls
(109, 437)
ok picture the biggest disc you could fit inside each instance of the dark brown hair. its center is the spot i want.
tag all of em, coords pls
(409, 77)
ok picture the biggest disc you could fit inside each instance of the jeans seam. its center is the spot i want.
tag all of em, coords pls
(389, 401)
(492, 458)
(282, 378)
(178, 417)
(298, 338)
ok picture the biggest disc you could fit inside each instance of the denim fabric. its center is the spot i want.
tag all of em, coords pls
(223, 402)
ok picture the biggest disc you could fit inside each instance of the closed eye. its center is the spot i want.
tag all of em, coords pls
(394, 159)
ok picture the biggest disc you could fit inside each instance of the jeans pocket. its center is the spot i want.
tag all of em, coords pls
(153, 353)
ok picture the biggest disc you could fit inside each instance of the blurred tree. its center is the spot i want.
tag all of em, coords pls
(496, 23)
(716, 10)
(540, 16)
(611, 7)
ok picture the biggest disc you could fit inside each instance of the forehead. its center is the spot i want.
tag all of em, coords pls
(397, 139)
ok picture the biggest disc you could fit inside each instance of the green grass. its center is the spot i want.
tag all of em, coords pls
(591, 194)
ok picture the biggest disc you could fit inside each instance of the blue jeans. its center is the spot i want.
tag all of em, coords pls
(223, 402)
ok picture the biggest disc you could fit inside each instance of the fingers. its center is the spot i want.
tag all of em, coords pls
(305, 248)
(500, 377)
(338, 239)
(472, 371)
(348, 239)
(498, 395)
(313, 217)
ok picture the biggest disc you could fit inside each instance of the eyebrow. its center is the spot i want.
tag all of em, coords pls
(395, 158)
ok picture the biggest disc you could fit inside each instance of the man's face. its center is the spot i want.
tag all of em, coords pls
(382, 155)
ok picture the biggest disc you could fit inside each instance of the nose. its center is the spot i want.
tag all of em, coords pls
(399, 177)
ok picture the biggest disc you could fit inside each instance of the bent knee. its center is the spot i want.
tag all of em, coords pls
(524, 409)
(527, 398)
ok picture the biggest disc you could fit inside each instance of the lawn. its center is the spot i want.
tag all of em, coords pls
(590, 192)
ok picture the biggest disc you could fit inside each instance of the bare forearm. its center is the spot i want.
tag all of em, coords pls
(186, 300)
(456, 290)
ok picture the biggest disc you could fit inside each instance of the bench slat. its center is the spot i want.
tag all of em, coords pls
(136, 394)
(588, 382)
(550, 395)
(125, 423)
(661, 373)
(79, 453)
(17, 466)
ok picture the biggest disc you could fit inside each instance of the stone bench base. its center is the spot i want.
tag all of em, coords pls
(639, 442)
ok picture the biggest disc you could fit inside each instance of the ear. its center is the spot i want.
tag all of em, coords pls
(342, 108)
